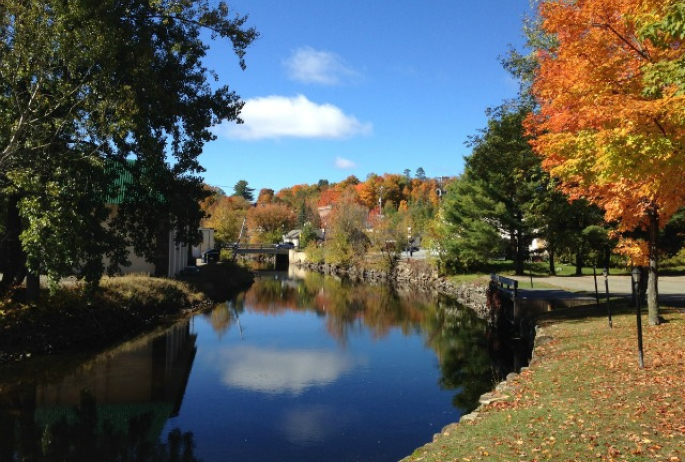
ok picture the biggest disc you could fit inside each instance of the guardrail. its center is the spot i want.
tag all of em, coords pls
(508, 287)
(253, 246)
(256, 247)
(508, 284)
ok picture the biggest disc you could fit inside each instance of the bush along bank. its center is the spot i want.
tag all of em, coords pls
(122, 307)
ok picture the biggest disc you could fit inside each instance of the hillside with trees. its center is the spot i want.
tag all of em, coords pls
(355, 216)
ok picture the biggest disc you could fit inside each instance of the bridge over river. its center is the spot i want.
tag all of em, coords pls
(265, 249)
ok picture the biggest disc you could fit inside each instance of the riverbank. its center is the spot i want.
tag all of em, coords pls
(122, 308)
(582, 398)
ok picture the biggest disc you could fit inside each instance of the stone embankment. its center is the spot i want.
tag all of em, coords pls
(412, 275)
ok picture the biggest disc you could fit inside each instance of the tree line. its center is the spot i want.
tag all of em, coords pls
(351, 212)
(588, 159)
(590, 156)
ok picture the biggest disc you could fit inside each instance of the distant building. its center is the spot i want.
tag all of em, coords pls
(324, 213)
(170, 259)
(293, 236)
(206, 244)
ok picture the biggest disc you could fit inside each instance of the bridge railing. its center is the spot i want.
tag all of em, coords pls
(252, 246)
(508, 284)
(509, 288)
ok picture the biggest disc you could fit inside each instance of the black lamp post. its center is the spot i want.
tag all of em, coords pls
(636, 284)
(594, 275)
(605, 272)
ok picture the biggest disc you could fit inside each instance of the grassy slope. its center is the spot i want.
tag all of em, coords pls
(584, 398)
(122, 307)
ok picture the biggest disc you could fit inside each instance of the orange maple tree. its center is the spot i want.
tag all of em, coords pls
(608, 133)
(268, 222)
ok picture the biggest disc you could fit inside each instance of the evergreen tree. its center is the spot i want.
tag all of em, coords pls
(472, 220)
(242, 190)
(502, 174)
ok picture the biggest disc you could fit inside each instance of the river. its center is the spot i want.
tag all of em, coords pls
(298, 368)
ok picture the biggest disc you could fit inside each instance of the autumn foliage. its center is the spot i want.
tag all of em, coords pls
(611, 134)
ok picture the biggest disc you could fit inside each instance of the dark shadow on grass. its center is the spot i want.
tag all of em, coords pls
(584, 312)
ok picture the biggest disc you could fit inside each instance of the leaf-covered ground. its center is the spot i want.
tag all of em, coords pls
(584, 398)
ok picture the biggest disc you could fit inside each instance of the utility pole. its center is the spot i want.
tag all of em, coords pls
(380, 202)
(242, 230)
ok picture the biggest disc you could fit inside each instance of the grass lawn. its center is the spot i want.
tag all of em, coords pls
(583, 398)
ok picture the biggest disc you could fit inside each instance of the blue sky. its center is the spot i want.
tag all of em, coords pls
(350, 87)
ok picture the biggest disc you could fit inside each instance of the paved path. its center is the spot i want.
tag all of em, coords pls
(671, 288)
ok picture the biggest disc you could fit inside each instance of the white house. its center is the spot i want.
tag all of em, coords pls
(206, 244)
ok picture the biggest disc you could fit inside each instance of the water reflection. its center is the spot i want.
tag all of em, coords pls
(89, 431)
(295, 369)
(112, 407)
(472, 355)
(307, 425)
(347, 307)
(274, 371)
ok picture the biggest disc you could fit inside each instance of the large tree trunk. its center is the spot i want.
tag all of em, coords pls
(14, 260)
(552, 269)
(163, 243)
(32, 287)
(579, 262)
(652, 281)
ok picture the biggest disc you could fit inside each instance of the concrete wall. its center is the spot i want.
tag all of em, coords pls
(177, 260)
(296, 257)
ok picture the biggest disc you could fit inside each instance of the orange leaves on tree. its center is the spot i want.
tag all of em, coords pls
(600, 129)
(271, 220)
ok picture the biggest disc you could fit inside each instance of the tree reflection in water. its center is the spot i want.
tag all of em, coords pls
(43, 420)
(472, 354)
(84, 434)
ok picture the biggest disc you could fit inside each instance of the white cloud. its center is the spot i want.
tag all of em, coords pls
(307, 65)
(276, 371)
(344, 163)
(274, 117)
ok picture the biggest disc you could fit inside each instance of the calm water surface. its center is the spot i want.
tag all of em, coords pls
(296, 369)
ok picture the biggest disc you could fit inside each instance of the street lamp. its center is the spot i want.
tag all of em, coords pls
(605, 272)
(636, 284)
